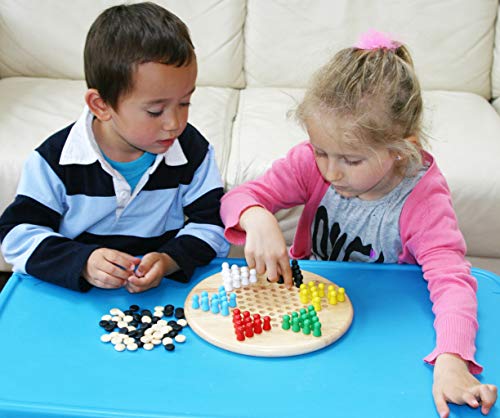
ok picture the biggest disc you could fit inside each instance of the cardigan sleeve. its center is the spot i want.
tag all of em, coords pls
(286, 184)
(431, 238)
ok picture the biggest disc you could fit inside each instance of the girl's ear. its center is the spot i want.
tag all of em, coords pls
(97, 105)
(413, 139)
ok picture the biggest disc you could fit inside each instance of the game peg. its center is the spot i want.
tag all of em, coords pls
(224, 308)
(317, 329)
(214, 306)
(267, 323)
(205, 305)
(249, 331)
(195, 304)
(285, 324)
(306, 329)
(321, 290)
(295, 324)
(232, 301)
(341, 294)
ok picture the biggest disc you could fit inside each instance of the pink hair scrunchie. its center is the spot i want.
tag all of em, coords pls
(376, 40)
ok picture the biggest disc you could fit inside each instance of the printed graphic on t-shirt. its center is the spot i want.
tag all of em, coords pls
(352, 229)
(330, 243)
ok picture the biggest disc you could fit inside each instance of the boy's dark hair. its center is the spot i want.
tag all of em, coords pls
(124, 36)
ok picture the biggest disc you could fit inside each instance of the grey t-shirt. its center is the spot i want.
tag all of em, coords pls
(352, 229)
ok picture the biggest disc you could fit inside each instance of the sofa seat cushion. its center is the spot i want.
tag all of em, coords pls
(31, 109)
(496, 105)
(463, 130)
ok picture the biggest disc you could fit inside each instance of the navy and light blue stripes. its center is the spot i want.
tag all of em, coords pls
(63, 212)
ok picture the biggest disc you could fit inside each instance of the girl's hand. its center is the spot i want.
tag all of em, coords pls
(265, 247)
(150, 272)
(454, 383)
(109, 269)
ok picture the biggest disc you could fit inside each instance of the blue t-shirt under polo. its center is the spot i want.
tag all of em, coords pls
(132, 171)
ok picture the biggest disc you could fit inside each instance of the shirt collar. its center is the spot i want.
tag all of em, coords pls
(81, 146)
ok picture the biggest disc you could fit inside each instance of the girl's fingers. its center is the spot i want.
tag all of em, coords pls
(470, 399)
(441, 405)
(488, 395)
(286, 272)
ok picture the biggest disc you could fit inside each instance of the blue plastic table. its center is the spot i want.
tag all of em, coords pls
(54, 365)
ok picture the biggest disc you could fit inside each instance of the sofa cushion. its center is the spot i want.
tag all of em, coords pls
(216, 28)
(464, 139)
(495, 71)
(496, 105)
(34, 108)
(287, 40)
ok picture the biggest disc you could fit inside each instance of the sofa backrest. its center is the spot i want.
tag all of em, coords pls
(46, 38)
(495, 73)
(451, 41)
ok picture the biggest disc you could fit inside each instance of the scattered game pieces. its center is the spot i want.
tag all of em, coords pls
(145, 329)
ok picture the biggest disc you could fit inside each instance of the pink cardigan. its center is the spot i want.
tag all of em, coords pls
(429, 235)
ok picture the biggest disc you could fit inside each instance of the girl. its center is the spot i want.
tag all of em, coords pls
(370, 193)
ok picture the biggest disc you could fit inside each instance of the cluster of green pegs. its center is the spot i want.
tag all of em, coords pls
(306, 320)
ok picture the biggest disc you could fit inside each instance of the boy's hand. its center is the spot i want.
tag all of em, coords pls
(454, 383)
(151, 270)
(109, 269)
(265, 247)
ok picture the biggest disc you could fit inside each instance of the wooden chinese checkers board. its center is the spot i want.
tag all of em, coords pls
(274, 300)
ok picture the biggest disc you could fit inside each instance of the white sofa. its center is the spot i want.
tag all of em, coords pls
(255, 58)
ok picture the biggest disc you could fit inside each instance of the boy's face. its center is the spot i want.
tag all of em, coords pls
(154, 113)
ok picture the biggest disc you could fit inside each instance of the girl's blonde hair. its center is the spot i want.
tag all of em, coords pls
(375, 95)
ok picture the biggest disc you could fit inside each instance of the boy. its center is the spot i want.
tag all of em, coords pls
(131, 176)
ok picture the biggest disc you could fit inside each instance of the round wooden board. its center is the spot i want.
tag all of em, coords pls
(274, 300)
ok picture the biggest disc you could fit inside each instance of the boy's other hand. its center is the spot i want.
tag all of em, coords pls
(265, 246)
(454, 383)
(109, 269)
(151, 270)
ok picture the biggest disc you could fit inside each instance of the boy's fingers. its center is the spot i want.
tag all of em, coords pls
(106, 281)
(122, 259)
(441, 405)
(145, 266)
(115, 271)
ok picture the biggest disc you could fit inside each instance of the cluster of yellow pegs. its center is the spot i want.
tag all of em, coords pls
(312, 293)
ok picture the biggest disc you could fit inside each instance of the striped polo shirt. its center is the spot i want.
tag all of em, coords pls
(71, 201)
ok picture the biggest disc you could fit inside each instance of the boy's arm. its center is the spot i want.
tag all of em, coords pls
(202, 237)
(28, 230)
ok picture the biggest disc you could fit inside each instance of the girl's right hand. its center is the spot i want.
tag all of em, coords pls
(265, 247)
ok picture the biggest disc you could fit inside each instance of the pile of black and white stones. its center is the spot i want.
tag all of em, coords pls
(137, 328)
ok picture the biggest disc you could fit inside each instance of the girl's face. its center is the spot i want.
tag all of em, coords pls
(353, 170)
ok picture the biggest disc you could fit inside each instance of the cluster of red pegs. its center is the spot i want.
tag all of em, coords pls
(246, 324)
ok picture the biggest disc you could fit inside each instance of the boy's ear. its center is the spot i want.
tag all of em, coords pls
(97, 105)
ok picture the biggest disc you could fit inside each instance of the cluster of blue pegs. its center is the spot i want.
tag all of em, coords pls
(218, 302)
